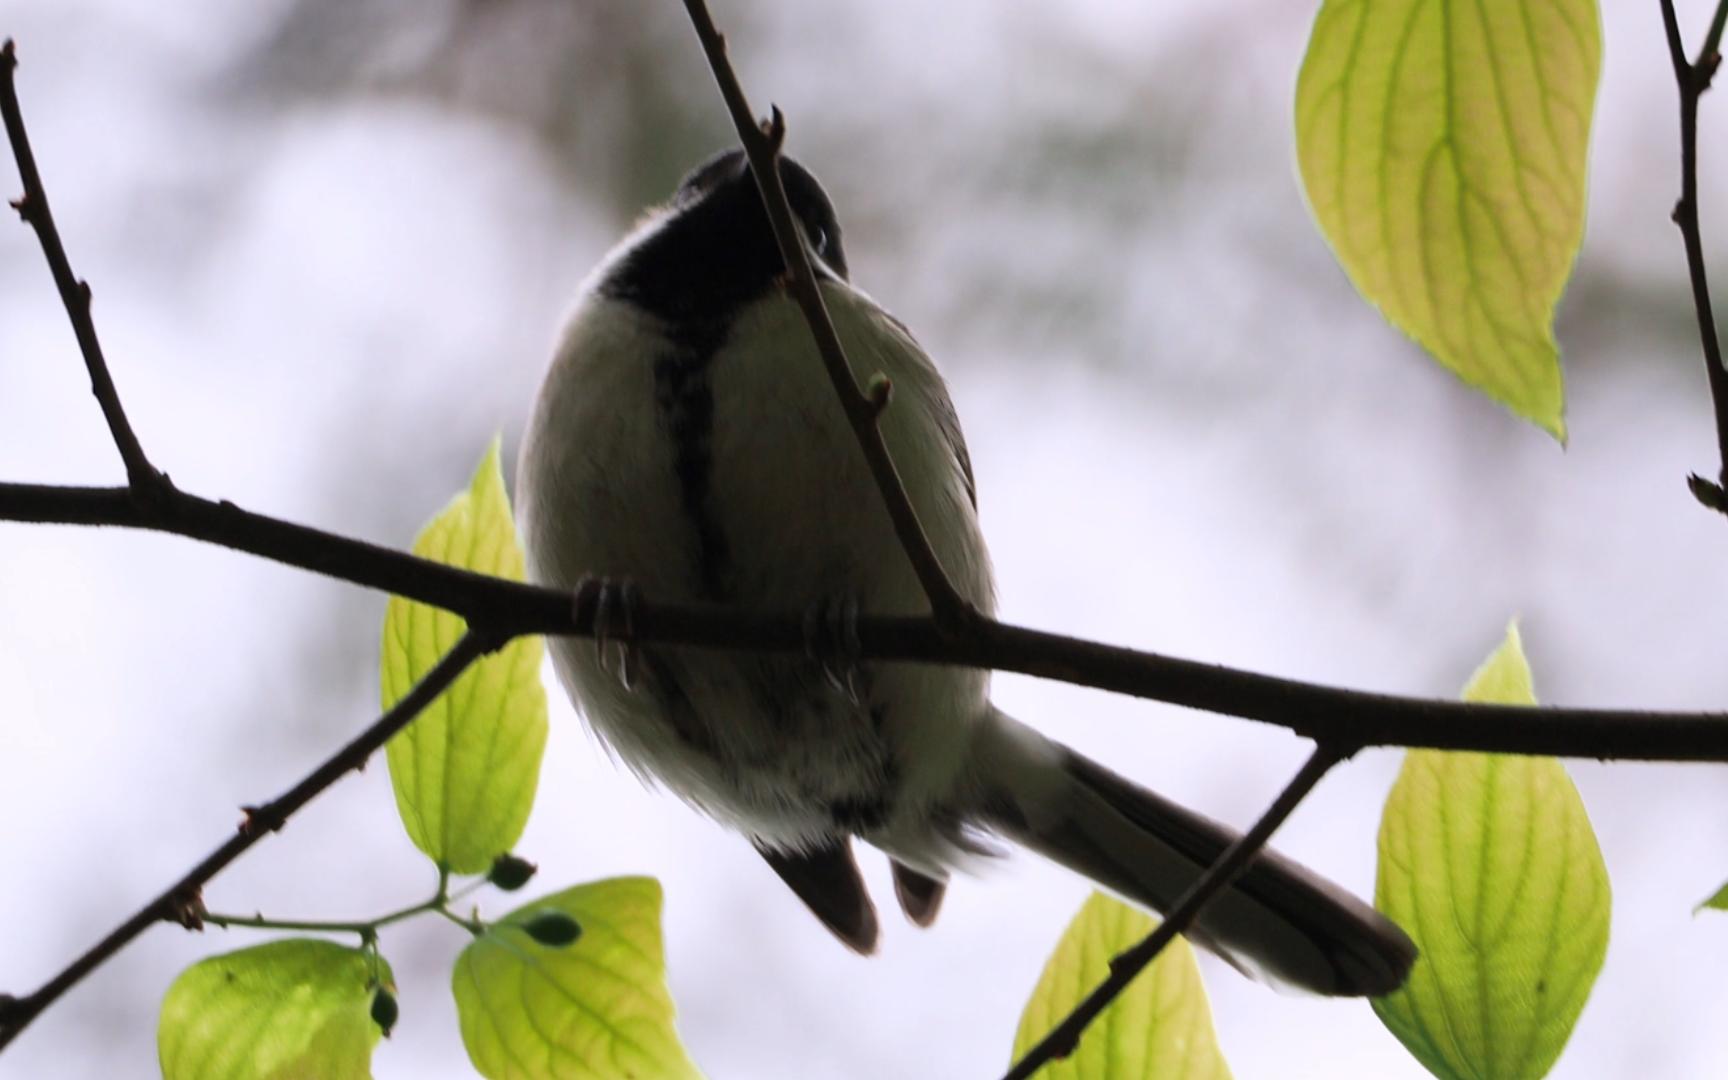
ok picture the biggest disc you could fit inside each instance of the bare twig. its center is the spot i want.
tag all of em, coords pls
(953, 612)
(179, 902)
(33, 207)
(1065, 1036)
(1693, 77)
(1324, 713)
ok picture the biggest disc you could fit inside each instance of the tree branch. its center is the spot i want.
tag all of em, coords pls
(1693, 78)
(33, 207)
(1065, 1036)
(1325, 713)
(953, 612)
(180, 901)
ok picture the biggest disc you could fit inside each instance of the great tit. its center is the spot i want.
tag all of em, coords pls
(687, 440)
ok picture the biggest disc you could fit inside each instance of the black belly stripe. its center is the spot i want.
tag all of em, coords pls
(685, 401)
(677, 708)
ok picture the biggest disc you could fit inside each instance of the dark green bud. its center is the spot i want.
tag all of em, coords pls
(385, 1010)
(510, 872)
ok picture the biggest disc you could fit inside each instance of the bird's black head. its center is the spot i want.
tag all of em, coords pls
(715, 251)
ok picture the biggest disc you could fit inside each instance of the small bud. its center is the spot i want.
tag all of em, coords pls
(385, 1010)
(775, 128)
(879, 390)
(553, 928)
(510, 872)
(187, 909)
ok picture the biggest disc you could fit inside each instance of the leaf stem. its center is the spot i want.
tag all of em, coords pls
(473, 925)
(366, 928)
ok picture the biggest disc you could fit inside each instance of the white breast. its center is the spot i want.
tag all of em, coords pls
(801, 520)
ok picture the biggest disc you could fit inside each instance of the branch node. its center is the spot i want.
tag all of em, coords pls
(186, 908)
(1705, 72)
(24, 207)
(153, 492)
(879, 392)
(255, 821)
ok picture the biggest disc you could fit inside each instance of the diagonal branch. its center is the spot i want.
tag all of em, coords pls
(179, 902)
(1693, 78)
(1065, 1036)
(33, 207)
(952, 611)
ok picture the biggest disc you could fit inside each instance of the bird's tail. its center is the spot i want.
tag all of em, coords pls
(1279, 921)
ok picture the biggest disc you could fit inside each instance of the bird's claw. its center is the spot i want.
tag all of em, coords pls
(612, 605)
(831, 639)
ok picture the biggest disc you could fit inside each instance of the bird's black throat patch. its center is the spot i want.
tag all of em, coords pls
(711, 256)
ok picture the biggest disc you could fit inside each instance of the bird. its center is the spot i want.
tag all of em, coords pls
(687, 446)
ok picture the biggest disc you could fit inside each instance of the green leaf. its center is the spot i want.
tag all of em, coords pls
(1489, 863)
(287, 1009)
(1160, 1027)
(595, 1007)
(1718, 900)
(1443, 149)
(465, 770)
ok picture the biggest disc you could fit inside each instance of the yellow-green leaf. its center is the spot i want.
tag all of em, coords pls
(595, 1007)
(1718, 900)
(465, 770)
(1489, 862)
(1443, 149)
(1161, 1026)
(285, 1010)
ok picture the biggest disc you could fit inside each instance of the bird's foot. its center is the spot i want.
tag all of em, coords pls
(612, 604)
(831, 639)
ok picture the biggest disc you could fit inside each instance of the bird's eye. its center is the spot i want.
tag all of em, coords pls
(820, 241)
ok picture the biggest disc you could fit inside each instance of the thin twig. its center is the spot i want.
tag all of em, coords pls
(179, 902)
(952, 611)
(1065, 1036)
(1325, 713)
(33, 207)
(1693, 78)
(1709, 55)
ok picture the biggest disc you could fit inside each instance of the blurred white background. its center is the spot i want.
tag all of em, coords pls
(331, 241)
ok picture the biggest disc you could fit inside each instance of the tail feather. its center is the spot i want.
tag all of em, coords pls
(920, 895)
(1279, 921)
(827, 880)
